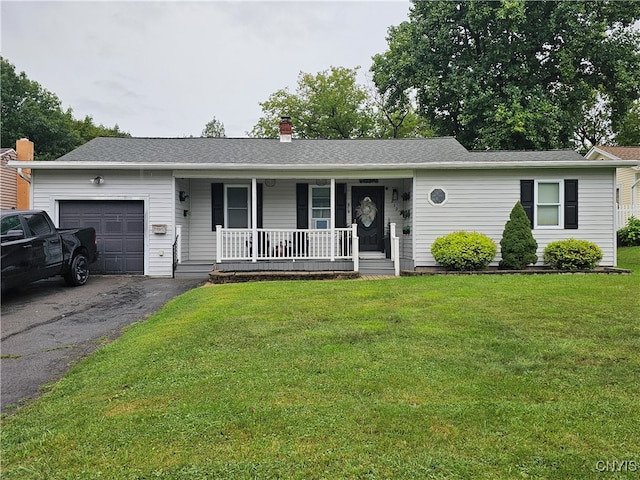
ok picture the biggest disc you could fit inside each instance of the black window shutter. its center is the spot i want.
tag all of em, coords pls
(341, 205)
(259, 192)
(526, 198)
(217, 205)
(302, 205)
(571, 204)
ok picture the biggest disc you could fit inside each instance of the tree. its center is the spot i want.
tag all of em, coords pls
(215, 128)
(327, 105)
(629, 133)
(29, 111)
(514, 74)
(518, 247)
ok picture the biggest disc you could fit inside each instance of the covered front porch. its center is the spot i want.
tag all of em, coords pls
(291, 224)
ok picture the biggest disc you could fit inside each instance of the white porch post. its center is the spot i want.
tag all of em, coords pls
(333, 219)
(254, 220)
(179, 243)
(355, 247)
(218, 243)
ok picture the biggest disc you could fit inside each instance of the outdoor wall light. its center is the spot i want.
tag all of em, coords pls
(182, 195)
(270, 182)
(99, 180)
(394, 195)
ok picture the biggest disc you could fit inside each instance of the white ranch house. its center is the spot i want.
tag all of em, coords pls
(198, 204)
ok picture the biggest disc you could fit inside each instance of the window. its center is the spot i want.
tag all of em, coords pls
(38, 224)
(320, 207)
(437, 196)
(548, 204)
(237, 211)
(11, 224)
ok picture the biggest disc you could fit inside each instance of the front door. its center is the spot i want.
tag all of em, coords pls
(368, 213)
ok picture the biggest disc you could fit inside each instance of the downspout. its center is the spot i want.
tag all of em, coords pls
(23, 175)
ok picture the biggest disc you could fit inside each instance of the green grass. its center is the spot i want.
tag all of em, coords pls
(419, 377)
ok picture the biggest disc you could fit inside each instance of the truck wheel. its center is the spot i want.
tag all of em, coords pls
(78, 273)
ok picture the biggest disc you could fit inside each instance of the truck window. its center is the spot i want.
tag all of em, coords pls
(10, 224)
(38, 224)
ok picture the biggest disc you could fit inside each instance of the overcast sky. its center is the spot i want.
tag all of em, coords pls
(165, 69)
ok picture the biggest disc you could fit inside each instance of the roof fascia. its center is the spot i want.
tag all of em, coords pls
(55, 165)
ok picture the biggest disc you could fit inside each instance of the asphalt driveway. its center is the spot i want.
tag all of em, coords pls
(48, 327)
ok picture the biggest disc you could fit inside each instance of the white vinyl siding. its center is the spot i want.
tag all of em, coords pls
(481, 200)
(153, 188)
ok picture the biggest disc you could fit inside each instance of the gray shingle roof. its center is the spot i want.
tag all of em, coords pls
(252, 151)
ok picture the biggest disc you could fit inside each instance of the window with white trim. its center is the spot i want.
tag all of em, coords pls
(237, 203)
(548, 201)
(320, 205)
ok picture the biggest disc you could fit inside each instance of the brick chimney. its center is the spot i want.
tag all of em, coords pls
(285, 129)
(24, 152)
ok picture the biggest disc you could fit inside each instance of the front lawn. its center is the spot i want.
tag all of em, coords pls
(450, 377)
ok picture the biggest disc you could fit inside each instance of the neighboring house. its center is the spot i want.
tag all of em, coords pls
(8, 180)
(627, 179)
(269, 204)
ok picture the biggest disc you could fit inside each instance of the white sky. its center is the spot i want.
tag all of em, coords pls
(165, 69)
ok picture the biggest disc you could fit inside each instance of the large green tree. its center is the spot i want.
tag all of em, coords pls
(327, 105)
(514, 74)
(29, 111)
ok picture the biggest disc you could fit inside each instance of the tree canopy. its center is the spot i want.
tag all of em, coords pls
(331, 104)
(515, 74)
(30, 111)
(214, 128)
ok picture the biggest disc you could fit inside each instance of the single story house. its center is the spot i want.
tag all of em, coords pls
(627, 178)
(288, 204)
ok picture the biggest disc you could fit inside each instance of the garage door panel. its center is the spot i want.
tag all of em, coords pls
(119, 229)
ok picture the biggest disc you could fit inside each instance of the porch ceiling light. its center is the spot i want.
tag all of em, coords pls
(99, 180)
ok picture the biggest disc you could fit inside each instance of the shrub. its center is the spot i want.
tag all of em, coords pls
(572, 254)
(518, 246)
(629, 235)
(464, 250)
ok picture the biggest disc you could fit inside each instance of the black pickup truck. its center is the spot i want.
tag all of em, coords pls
(33, 249)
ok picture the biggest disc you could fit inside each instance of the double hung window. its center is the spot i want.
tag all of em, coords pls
(320, 207)
(548, 203)
(237, 202)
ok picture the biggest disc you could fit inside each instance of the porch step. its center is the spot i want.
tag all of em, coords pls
(193, 270)
(376, 266)
(371, 255)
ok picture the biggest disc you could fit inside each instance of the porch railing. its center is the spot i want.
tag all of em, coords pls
(285, 244)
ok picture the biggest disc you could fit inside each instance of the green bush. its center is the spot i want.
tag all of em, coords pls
(464, 251)
(629, 235)
(518, 247)
(572, 254)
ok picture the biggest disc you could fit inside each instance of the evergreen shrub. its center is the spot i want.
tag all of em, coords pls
(629, 235)
(518, 247)
(464, 251)
(572, 254)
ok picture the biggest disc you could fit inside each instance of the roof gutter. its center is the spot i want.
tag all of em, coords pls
(23, 175)
(58, 165)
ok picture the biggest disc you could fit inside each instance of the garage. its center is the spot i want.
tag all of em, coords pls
(119, 226)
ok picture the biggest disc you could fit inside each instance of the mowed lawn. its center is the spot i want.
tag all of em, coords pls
(469, 377)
